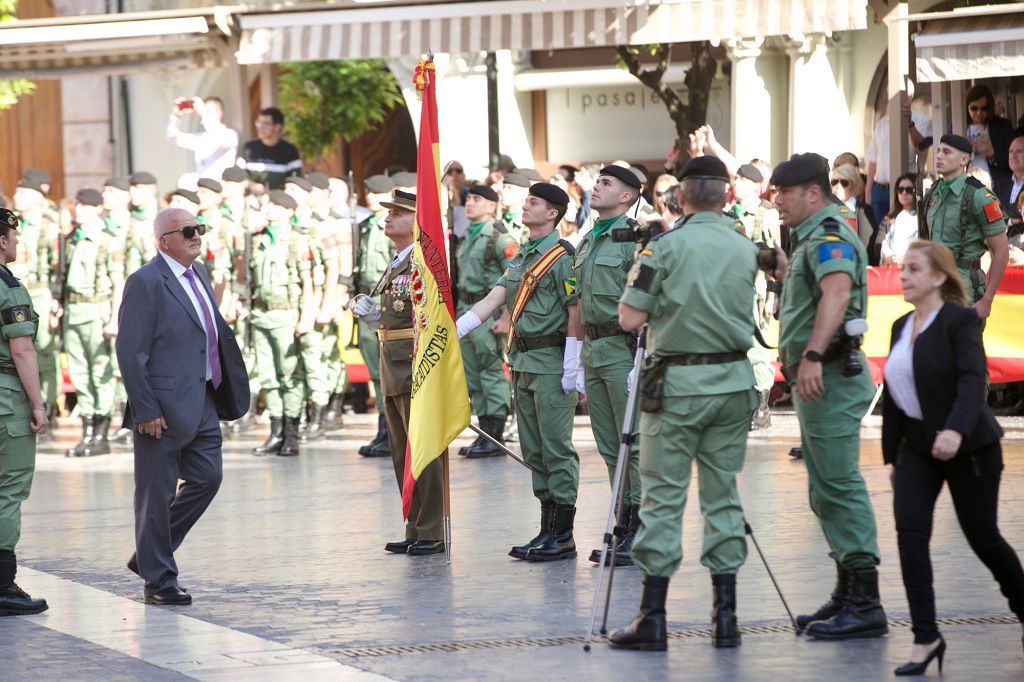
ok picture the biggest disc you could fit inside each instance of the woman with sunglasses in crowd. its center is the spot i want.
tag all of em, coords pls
(848, 185)
(990, 134)
(900, 226)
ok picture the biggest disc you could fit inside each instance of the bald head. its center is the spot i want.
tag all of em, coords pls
(167, 229)
(171, 219)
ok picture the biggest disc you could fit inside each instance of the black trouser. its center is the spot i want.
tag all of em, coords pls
(973, 480)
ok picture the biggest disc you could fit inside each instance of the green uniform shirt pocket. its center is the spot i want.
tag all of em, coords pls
(609, 276)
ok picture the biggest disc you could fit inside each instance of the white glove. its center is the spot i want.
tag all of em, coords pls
(467, 323)
(365, 308)
(571, 364)
(581, 380)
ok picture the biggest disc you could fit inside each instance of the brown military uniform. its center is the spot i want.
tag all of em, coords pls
(425, 521)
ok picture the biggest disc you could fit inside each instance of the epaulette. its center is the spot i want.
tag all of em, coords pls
(731, 214)
(500, 227)
(569, 248)
(9, 279)
(975, 182)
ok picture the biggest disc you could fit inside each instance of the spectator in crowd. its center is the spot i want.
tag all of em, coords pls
(216, 147)
(455, 183)
(990, 135)
(879, 174)
(269, 159)
(1009, 188)
(900, 226)
(848, 186)
(846, 158)
(660, 186)
(673, 209)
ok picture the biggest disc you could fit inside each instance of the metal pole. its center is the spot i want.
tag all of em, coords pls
(750, 531)
(493, 144)
(502, 447)
(447, 507)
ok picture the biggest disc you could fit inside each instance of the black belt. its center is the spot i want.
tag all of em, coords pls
(969, 264)
(527, 343)
(703, 358)
(600, 331)
(13, 371)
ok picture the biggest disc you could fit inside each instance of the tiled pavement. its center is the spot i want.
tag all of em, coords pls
(290, 579)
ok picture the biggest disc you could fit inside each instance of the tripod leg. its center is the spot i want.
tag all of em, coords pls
(750, 531)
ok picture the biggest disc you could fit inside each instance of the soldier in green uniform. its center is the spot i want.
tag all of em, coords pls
(961, 213)
(215, 255)
(140, 243)
(117, 222)
(697, 399)
(392, 322)
(540, 289)
(514, 188)
(375, 251)
(93, 285)
(36, 267)
(826, 287)
(282, 285)
(483, 253)
(24, 416)
(760, 224)
(602, 267)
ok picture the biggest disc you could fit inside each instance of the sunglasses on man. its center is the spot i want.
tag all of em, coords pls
(188, 231)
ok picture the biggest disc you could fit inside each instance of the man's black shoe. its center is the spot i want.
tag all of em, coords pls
(399, 546)
(422, 547)
(796, 453)
(133, 566)
(169, 596)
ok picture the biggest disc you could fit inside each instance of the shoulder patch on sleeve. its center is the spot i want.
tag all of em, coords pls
(510, 250)
(570, 285)
(640, 277)
(992, 211)
(15, 314)
(835, 251)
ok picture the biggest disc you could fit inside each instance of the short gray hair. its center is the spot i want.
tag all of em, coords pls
(704, 194)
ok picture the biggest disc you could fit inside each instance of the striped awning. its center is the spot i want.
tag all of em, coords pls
(467, 27)
(969, 47)
(49, 49)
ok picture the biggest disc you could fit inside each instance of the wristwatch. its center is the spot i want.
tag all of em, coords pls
(813, 356)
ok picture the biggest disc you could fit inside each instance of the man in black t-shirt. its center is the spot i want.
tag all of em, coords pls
(268, 159)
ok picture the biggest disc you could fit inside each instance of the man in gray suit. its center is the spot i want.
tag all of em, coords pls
(183, 372)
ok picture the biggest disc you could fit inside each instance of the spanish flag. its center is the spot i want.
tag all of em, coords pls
(440, 401)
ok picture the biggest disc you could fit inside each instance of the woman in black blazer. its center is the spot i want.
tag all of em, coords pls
(937, 428)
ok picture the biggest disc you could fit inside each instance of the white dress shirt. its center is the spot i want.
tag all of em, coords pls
(899, 369)
(179, 273)
(878, 148)
(1018, 185)
(215, 149)
(400, 256)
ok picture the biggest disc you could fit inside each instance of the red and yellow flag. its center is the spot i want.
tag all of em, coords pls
(440, 400)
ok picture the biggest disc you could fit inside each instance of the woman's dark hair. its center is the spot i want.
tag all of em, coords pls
(896, 207)
(981, 92)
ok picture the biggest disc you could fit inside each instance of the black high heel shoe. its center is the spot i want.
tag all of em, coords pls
(919, 668)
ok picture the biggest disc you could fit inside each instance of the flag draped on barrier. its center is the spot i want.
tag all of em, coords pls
(440, 400)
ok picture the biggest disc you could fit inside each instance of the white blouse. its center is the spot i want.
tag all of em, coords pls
(899, 369)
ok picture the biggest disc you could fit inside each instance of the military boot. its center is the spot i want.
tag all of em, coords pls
(272, 445)
(724, 631)
(511, 429)
(559, 543)
(547, 512)
(100, 444)
(832, 606)
(333, 414)
(495, 428)
(762, 414)
(13, 600)
(629, 522)
(479, 442)
(648, 631)
(862, 614)
(88, 430)
(290, 445)
(380, 446)
(314, 423)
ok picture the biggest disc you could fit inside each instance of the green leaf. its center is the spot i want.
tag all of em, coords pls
(10, 91)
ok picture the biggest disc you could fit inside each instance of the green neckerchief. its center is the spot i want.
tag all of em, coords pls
(273, 232)
(76, 234)
(532, 244)
(602, 225)
(944, 185)
(474, 229)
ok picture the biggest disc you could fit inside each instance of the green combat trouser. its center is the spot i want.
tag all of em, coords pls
(829, 435)
(277, 362)
(482, 357)
(369, 346)
(544, 415)
(17, 463)
(334, 364)
(90, 367)
(46, 345)
(318, 387)
(606, 401)
(713, 430)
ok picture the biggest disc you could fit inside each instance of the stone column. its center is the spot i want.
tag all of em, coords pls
(750, 102)
(819, 115)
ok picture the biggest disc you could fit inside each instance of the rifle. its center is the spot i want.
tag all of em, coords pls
(59, 287)
(353, 201)
(246, 282)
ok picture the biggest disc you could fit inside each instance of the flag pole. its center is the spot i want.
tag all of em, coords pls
(447, 504)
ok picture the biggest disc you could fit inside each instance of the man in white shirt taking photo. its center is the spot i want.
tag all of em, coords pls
(216, 147)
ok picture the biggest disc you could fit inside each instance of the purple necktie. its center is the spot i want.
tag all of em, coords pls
(211, 332)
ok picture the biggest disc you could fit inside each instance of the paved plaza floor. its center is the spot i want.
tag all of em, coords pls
(290, 580)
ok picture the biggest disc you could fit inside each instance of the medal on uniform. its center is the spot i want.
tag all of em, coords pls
(399, 305)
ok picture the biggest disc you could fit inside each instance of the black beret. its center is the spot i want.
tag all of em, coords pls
(89, 197)
(142, 178)
(530, 174)
(957, 142)
(627, 175)
(298, 181)
(553, 194)
(484, 191)
(117, 183)
(210, 184)
(800, 169)
(7, 217)
(750, 172)
(705, 167)
(186, 194)
(31, 183)
(39, 175)
(379, 184)
(404, 179)
(516, 179)
(282, 199)
(234, 174)
(319, 180)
